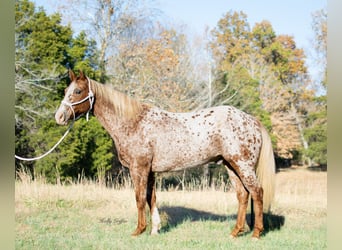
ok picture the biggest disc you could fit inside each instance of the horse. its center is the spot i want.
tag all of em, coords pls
(150, 140)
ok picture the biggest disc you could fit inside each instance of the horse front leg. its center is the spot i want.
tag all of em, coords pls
(151, 200)
(140, 179)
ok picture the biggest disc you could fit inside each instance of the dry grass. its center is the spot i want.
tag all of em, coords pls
(301, 200)
(301, 188)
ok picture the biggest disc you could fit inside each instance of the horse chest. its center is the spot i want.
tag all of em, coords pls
(133, 149)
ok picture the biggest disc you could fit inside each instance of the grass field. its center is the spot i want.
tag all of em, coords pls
(89, 216)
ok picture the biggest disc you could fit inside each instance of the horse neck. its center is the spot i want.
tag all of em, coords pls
(115, 111)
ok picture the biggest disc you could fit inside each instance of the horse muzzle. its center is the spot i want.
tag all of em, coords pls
(62, 116)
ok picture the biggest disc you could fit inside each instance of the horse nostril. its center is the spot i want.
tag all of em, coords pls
(60, 117)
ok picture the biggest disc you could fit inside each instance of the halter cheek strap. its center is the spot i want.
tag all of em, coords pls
(91, 101)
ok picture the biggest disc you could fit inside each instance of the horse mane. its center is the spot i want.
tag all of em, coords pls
(123, 106)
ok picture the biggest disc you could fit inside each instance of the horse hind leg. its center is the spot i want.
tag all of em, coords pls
(250, 182)
(247, 181)
(242, 196)
(257, 196)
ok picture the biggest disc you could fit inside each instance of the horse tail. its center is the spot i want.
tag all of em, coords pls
(265, 169)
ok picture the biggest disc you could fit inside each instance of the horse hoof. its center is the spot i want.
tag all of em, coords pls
(137, 232)
(154, 231)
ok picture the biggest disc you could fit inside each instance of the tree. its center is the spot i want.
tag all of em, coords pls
(39, 57)
(290, 82)
(316, 123)
(44, 48)
(156, 71)
(87, 151)
(231, 39)
(236, 81)
(320, 42)
(263, 74)
(316, 132)
(110, 23)
(263, 35)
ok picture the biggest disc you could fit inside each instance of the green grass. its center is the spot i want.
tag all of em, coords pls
(92, 217)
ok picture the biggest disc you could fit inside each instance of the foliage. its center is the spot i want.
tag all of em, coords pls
(156, 70)
(237, 85)
(316, 122)
(85, 150)
(44, 49)
(316, 132)
(264, 74)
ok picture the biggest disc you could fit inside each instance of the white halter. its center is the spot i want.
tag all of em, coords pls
(91, 101)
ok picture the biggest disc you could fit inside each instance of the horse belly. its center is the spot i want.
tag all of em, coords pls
(176, 164)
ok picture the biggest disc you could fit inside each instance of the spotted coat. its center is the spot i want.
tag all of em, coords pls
(149, 140)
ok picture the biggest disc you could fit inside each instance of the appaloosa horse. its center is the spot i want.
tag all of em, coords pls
(150, 140)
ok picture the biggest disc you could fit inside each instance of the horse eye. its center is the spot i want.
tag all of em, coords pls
(77, 91)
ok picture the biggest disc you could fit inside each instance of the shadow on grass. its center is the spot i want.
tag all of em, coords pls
(173, 216)
(272, 222)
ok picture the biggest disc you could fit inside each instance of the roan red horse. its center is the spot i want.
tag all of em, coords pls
(150, 140)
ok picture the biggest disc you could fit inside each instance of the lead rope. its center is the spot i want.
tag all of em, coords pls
(48, 152)
(91, 100)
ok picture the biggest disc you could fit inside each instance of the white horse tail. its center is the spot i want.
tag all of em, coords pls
(265, 169)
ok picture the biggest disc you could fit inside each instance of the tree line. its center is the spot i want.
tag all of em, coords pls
(129, 45)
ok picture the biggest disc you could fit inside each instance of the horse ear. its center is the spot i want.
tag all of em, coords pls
(72, 75)
(82, 76)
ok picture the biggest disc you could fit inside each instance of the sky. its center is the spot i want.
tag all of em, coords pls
(291, 17)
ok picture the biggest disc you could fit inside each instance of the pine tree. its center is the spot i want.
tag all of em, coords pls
(44, 50)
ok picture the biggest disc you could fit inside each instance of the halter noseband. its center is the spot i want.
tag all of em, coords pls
(91, 101)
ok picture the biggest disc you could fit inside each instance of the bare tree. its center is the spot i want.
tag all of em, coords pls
(30, 81)
(111, 23)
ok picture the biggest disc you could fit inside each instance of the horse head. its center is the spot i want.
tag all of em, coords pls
(78, 99)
